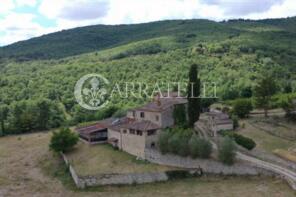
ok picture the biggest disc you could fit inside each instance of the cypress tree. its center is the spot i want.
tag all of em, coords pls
(193, 93)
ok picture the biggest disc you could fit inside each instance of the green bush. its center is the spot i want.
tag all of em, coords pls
(199, 147)
(235, 121)
(193, 147)
(204, 148)
(163, 143)
(183, 149)
(178, 174)
(63, 140)
(242, 107)
(227, 151)
(245, 142)
(173, 144)
(241, 140)
(175, 141)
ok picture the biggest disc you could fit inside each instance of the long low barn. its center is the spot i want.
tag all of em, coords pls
(95, 133)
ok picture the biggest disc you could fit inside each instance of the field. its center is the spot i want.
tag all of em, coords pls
(103, 159)
(265, 140)
(277, 126)
(29, 169)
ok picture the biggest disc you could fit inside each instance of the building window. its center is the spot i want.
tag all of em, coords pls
(157, 118)
(132, 131)
(139, 132)
(134, 114)
(142, 115)
(151, 132)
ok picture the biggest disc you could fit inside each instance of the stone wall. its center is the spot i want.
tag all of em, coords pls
(207, 166)
(123, 179)
(114, 179)
(77, 180)
(193, 166)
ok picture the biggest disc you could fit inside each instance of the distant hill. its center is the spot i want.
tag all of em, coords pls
(92, 38)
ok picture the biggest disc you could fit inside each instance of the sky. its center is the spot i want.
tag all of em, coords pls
(24, 19)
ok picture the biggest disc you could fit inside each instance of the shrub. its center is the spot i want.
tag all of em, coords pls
(287, 104)
(183, 149)
(193, 147)
(175, 141)
(235, 121)
(199, 147)
(245, 142)
(241, 140)
(242, 107)
(163, 142)
(227, 151)
(204, 148)
(63, 140)
(173, 144)
(178, 174)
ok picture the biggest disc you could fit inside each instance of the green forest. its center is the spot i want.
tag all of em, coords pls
(37, 76)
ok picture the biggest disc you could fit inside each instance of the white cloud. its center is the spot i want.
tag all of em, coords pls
(285, 9)
(6, 6)
(242, 7)
(74, 10)
(73, 13)
(87, 12)
(30, 3)
(17, 27)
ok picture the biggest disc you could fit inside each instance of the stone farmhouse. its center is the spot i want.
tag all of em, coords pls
(140, 128)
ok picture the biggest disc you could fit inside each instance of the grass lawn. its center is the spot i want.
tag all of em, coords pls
(28, 168)
(103, 159)
(265, 140)
(276, 125)
(205, 187)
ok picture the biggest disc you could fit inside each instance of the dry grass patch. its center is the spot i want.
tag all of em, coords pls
(264, 140)
(103, 159)
(27, 169)
(288, 155)
(277, 126)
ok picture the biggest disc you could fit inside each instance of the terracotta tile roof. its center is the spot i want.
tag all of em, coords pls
(100, 125)
(117, 123)
(107, 122)
(129, 123)
(161, 104)
(143, 125)
(90, 129)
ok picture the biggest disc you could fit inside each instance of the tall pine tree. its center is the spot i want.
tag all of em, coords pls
(193, 93)
(264, 90)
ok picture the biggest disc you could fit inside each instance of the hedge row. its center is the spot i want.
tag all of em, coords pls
(243, 141)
